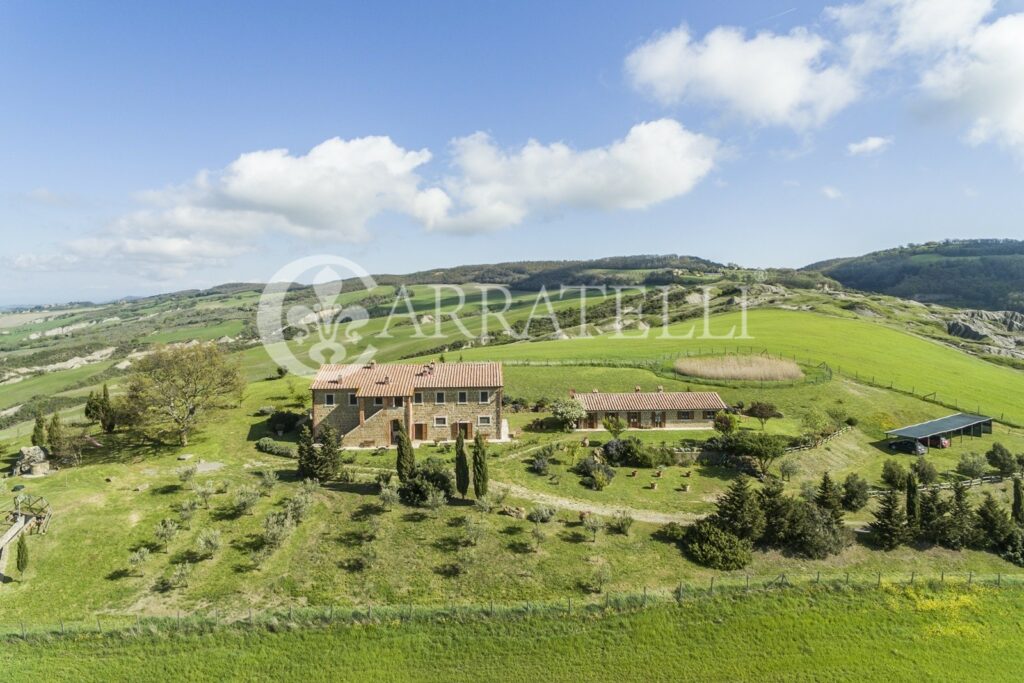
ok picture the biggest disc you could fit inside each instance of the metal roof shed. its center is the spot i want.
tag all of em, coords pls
(951, 425)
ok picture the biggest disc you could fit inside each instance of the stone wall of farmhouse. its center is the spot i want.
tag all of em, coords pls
(672, 421)
(376, 427)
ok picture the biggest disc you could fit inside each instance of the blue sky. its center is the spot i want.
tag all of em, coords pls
(136, 139)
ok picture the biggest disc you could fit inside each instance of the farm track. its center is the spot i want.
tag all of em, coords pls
(650, 516)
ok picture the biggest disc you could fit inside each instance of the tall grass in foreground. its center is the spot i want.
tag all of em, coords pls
(754, 368)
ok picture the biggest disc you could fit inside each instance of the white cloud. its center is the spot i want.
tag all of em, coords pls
(496, 188)
(984, 81)
(897, 27)
(832, 193)
(334, 191)
(769, 79)
(869, 145)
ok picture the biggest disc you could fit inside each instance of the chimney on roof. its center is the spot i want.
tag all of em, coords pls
(636, 389)
(387, 380)
(661, 389)
(593, 391)
(371, 363)
(572, 393)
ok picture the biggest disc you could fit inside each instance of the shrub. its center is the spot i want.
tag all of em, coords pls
(852, 421)
(246, 499)
(925, 471)
(426, 480)
(266, 411)
(208, 542)
(596, 473)
(387, 497)
(789, 469)
(276, 528)
(593, 524)
(473, 531)
(187, 474)
(271, 447)
(971, 465)
(712, 547)
(894, 474)
(539, 464)
(298, 505)
(815, 533)
(268, 480)
(855, 493)
(484, 504)
(542, 514)
(620, 523)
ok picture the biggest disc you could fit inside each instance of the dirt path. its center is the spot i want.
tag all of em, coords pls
(652, 516)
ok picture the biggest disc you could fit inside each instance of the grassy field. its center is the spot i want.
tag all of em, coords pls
(853, 347)
(754, 368)
(892, 634)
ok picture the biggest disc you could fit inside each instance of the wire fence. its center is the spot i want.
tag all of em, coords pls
(599, 601)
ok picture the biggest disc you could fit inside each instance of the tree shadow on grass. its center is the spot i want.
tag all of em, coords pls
(124, 447)
(520, 547)
(353, 539)
(363, 488)
(448, 544)
(166, 489)
(449, 570)
(513, 530)
(457, 521)
(190, 556)
(118, 574)
(366, 511)
(414, 516)
(573, 536)
(151, 546)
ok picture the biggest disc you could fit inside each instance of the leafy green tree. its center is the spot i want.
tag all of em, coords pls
(480, 477)
(925, 471)
(913, 504)
(567, 412)
(593, 524)
(994, 525)
(174, 389)
(739, 511)
(21, 553)
(405, 459)
(971, 465)
(1001, 459)
(855, 492)
(889, 529)
(763, 449)
(1017, 511)
(39, 432)
(100, 408)
(762, 412)
(894, 474)
(614, 425)
(838, 416)
(165, 532)
(461, 466)
(788, 469)
(829, 498)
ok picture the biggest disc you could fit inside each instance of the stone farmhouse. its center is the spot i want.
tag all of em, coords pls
(652, 410)
(433, 401)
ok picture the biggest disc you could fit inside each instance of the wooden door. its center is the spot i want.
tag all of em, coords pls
(633, 419)
(419, 431)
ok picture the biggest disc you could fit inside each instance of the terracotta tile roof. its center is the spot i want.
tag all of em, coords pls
(660, 400)
(401, 379)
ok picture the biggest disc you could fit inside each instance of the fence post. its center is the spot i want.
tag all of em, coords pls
(817, 579)
(62, 626)
(942, 577)
(645, 596)
(847, 578)
(999, 580)
(570, 604)
(747, 588)
(712, 584)
(970, 578)
(912, 575)
(879, 584)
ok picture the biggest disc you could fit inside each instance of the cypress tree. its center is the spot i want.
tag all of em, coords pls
(108, 416)
(479, 466)
(779, 515)
(55, 434)
(405, 460)
(39, 431)
(739, 511)
(461, 466)
(328, 456)
(830, 498)
(1017, 511)
(22, 552)
(890, 526)
(306, 453)
(913, 504)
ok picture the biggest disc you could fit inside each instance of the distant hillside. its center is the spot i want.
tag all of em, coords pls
(985, 274)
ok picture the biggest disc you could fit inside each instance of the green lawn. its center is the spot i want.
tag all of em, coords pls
(854, 347)
(891, 634)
